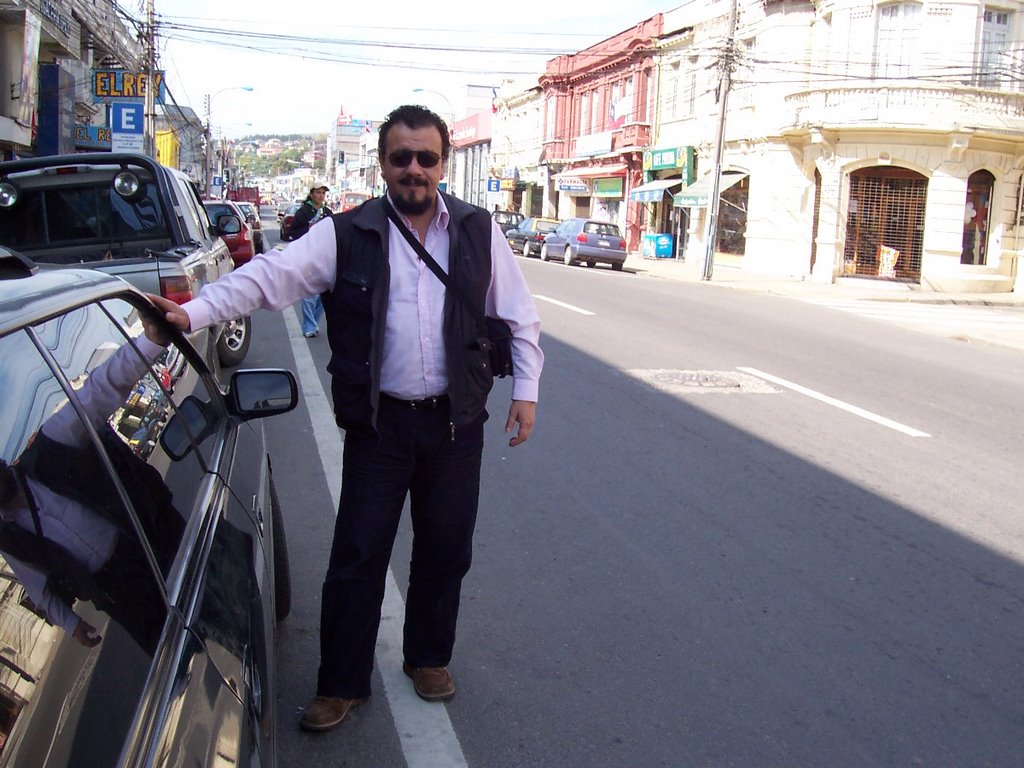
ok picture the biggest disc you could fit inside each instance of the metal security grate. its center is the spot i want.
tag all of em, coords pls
(885, 223)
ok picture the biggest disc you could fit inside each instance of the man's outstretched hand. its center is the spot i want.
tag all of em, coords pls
(173, 313)
(523, 413)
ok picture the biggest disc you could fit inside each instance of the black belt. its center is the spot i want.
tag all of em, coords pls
(425, 404)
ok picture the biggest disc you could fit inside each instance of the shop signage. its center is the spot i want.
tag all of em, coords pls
(122, 85)
(508, 184)
(92, 137)
(126, 121)
(669, 159)
(608, 187)
(594, 144)
(573, 184)
(51, 11)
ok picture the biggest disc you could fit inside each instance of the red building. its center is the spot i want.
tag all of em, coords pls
(597, 123)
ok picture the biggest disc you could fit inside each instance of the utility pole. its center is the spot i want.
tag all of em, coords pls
(206, 154)
(726, 62)
(150, 103)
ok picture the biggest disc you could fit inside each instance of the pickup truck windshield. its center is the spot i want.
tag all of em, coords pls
(87, 216)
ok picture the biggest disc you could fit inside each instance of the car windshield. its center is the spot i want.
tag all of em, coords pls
(81, 215)
(505, 217)
(545, 226)
(601, 228)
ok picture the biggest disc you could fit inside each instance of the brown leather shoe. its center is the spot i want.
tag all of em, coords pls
(326, 712)
(431, 683)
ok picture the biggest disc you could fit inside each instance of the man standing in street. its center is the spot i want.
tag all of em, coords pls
(313, 209)
(410, 388)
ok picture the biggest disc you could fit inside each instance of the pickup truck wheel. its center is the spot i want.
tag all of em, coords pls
(282, 570)
(233, 343)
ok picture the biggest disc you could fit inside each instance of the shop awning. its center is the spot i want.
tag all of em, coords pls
(696, 195)
(653, 191)
(595, 171)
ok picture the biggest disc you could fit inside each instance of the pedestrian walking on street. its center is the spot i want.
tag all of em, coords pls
(410, 386)
(313, 209)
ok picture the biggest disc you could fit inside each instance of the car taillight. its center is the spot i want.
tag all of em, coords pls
(581, 237)
(177, 288)
(622, 244)
(539, 237)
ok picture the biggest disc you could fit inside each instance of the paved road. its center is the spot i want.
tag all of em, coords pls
(749, 531)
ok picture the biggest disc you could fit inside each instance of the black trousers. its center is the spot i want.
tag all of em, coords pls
(415, 455)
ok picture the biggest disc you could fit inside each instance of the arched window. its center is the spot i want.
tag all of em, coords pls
(977, 216)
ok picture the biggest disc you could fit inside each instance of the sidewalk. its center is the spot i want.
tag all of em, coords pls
(845, 289)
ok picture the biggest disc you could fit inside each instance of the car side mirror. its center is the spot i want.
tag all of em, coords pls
(259, 392)
(189, 424)
(228, 224)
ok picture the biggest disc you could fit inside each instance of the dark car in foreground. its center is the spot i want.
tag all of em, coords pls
(587, 240)
(529, 236)
(240, 243)
(142, 548)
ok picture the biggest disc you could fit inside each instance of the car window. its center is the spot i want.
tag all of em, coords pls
(81, 215)
(138, 413)
(546, 226)
(81, 609)
(601, 228)
(194, 209)
(216, 210)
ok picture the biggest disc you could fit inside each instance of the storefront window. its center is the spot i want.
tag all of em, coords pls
(976, 218)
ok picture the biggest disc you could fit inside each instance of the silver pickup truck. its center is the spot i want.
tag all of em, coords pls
(127, 215)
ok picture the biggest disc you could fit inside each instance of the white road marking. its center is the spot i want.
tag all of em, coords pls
(837, 403)
(562, 304)
(424, 729)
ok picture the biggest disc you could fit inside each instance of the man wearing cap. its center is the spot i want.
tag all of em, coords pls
(313, 209)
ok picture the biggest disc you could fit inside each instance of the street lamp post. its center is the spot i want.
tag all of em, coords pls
(450, 168)
(207, 176)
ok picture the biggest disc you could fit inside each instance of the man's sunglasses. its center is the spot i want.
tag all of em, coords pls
(402, 158)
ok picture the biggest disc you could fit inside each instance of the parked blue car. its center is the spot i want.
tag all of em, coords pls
(586, 240)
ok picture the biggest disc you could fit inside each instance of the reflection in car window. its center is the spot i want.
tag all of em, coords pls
(172, 372)
(80, 604)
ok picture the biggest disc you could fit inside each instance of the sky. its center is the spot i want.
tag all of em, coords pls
(306, 62)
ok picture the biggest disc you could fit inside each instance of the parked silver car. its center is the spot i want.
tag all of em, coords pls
(587, 240)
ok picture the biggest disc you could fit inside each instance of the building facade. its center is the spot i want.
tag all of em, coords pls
(880, 140)
(597, 114)
(47, 54)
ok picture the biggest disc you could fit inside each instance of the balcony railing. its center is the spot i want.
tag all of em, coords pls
(632, 135)
(940, 107)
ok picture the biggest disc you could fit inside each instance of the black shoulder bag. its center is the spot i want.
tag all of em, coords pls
(497, 338)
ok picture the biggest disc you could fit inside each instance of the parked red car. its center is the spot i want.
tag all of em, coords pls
(240, 245)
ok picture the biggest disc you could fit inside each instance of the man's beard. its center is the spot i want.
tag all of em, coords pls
(410, 207)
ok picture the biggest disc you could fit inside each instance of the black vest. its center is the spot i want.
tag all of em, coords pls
(356, 309)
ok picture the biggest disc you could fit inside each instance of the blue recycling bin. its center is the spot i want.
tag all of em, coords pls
(657, 246)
